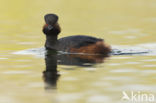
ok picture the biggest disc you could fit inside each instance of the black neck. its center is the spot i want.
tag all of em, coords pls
(51, 36)
(51, 41)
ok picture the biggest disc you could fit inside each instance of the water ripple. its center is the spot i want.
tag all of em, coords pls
(141, 49)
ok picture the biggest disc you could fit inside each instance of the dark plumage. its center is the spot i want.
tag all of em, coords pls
(74, 44)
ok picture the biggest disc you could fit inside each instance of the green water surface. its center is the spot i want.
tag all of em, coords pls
(119, 22)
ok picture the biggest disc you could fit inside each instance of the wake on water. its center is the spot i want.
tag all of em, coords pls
(141, 49)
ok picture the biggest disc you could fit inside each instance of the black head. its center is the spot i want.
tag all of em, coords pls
(51, 19)
(51, 26)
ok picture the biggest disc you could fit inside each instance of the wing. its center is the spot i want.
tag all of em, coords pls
(77, 41)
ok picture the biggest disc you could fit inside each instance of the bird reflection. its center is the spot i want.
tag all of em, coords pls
(52, 59)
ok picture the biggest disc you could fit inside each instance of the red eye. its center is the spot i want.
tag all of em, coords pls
(46, 25)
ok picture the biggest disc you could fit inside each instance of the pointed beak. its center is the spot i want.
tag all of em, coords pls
(49, 27)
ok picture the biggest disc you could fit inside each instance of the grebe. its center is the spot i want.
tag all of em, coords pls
(71, 44)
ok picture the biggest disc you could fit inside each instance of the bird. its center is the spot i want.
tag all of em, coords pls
(71, 44)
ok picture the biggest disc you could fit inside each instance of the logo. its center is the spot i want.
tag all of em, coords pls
(138, 97)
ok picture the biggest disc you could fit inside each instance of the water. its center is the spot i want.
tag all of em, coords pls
(127, 25)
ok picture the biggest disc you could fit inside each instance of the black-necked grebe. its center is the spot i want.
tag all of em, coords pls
(72, 44)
